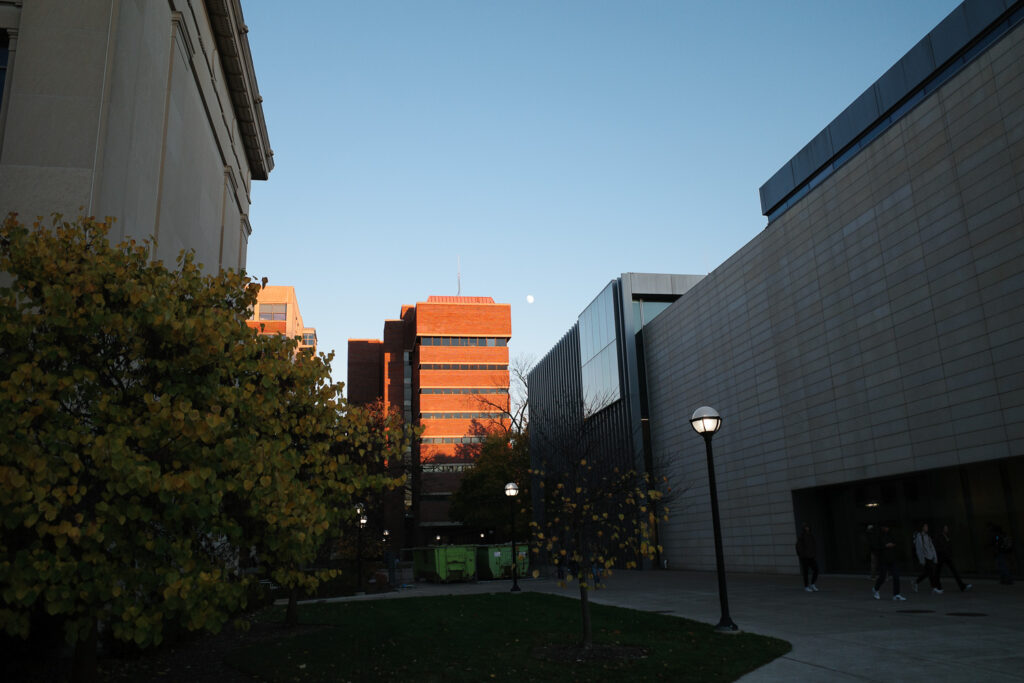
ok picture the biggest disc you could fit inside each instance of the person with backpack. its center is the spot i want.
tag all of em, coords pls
(944, 551)
(807, 552)
(926, 557)
(884, 546)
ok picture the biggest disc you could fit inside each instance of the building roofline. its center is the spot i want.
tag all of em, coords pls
(432, 299)
(890, 97)
(230, 33)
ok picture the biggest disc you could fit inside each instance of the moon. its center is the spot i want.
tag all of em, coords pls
(529, 298)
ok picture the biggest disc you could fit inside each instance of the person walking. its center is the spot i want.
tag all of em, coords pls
(885, 547)
(926, 556)
(944, 551)
(872, 555)
(807, 551)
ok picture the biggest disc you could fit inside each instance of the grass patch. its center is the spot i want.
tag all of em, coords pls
(497, 637)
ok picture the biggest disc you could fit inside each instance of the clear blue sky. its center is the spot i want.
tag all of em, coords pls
(552, 145)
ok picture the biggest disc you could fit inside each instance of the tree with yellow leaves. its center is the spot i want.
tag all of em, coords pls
(591, 519)
(328, 456)
(150, 440)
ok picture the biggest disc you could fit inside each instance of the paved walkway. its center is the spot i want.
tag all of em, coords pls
(838, 634)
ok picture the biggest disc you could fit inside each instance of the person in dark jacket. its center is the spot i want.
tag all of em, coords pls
(807, 551)
(885, 546)
(944, 549)
(924, 548)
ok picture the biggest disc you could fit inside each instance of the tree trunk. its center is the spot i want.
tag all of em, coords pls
(291, 614)
(588, 634)
(83, 664)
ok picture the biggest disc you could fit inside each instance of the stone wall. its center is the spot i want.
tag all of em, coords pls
(122, 108)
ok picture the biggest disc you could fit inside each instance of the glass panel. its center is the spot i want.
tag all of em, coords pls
(581, 325)
(609, 320)
(598, 352)
(591, 337)
(592, 342)
(652, 309)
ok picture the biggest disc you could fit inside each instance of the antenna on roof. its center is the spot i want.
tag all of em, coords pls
(458, 276)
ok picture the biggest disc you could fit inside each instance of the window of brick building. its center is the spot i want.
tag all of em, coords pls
(273, 311)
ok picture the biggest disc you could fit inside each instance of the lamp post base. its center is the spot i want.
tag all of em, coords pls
(727, 626)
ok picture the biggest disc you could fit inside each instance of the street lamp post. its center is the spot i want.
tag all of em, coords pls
(512, 490)
(386, 540)
(706, 421)
(359, 548)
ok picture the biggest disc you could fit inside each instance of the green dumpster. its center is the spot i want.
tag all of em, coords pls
(445, 563)
(522, 560)
(495, 561)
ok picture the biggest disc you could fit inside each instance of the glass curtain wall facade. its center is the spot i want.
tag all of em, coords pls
(599, 352)
(576, 392)
(591, 384)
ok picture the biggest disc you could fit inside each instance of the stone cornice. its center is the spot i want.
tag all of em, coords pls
(229, 30)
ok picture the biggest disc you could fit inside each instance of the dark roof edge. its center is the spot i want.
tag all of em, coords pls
(230, 32)
(931, 54)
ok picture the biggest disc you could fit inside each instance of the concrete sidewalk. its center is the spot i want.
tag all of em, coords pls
(838, 634)
(841, 633)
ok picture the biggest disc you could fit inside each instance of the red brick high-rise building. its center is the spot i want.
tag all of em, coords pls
(444, 365)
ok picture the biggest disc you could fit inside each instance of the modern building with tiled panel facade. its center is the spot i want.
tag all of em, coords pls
(277, 312)
(444, 365)
(866, 349)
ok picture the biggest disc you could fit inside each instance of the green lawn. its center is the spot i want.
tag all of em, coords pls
(495, 637)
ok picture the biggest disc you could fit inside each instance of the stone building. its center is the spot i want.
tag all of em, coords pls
(148, 112)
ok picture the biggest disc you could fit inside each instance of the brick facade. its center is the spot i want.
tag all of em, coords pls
(445, 331)
(365, 370)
